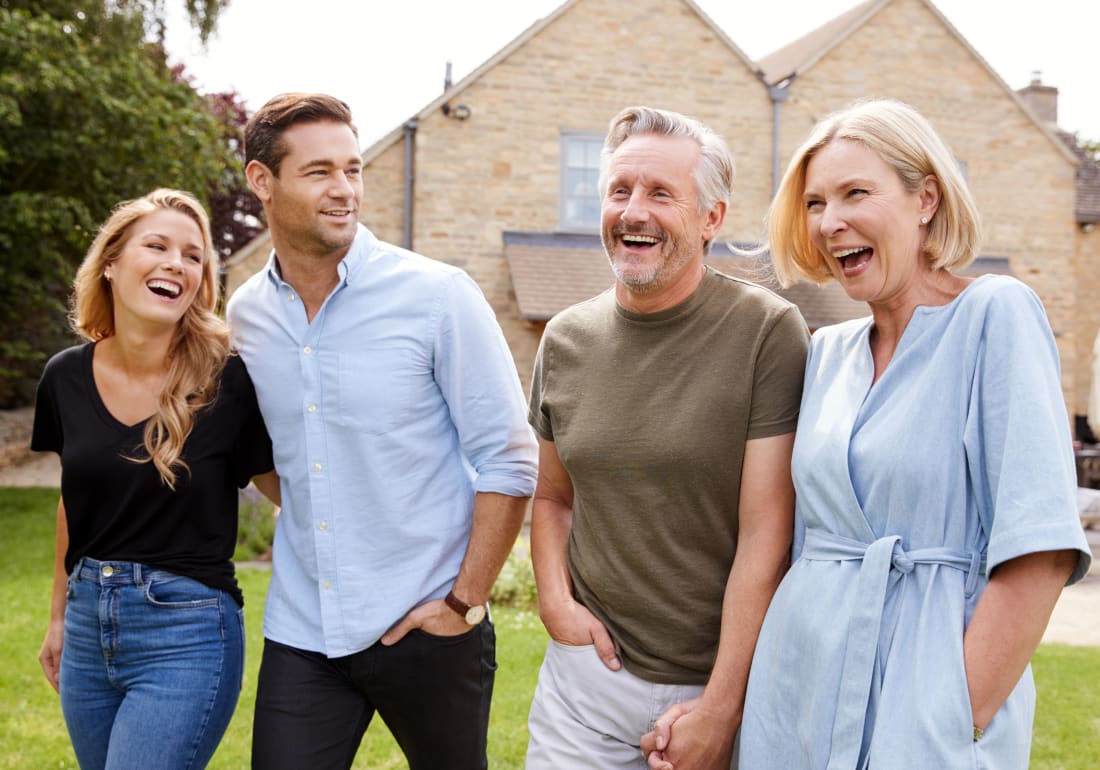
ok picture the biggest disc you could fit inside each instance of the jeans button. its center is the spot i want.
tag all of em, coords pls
(108, 570)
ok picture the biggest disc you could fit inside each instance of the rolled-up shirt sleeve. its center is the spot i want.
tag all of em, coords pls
(477, 377)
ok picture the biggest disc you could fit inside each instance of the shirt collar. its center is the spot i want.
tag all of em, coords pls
(350, 266)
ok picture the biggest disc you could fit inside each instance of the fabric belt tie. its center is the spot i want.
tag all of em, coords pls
(879, 558)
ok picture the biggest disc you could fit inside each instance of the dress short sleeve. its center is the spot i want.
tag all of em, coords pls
(1019, 449)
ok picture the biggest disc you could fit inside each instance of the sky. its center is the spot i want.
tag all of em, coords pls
(387, 59)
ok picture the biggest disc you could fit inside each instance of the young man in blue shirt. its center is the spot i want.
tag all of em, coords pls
(401, 439)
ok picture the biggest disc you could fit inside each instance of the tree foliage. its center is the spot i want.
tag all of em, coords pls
(236, 215)
(103, 16)
(90, 114)
(1092, 147)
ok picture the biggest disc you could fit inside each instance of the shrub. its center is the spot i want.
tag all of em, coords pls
(516, 585)
(256, 526)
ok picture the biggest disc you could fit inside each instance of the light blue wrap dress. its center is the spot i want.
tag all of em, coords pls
(910, 490)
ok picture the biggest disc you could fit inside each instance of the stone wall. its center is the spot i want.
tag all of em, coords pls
(1087, 270)
(499, 169)
(1022, 179)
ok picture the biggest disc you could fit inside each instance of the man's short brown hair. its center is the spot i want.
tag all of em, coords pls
(263, 136)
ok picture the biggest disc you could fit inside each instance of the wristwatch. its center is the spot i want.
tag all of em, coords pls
(471, 613)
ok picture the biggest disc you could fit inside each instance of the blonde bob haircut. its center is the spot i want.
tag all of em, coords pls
(906, 140)
(199, 347)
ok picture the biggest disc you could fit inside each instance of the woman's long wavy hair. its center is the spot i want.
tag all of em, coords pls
(199, 346)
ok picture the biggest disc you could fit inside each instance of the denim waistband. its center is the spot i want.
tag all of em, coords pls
(115, 572)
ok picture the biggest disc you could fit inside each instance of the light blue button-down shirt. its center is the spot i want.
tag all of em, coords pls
(388, 412)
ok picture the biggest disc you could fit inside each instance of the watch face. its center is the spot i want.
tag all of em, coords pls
(475, 614)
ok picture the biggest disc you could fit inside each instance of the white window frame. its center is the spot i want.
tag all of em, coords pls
(579, 211)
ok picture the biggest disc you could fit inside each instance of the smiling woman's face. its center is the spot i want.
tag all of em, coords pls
(861, 217)
(159, 270)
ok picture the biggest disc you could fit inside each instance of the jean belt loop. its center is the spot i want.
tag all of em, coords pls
(77, 569)
(138, 574)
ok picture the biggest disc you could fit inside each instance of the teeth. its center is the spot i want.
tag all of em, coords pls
(167, 286)
(848, 252)
(634, 237)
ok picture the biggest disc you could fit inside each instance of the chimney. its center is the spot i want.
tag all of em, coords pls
(1040, 99)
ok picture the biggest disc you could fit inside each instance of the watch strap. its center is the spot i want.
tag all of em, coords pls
(456, 604)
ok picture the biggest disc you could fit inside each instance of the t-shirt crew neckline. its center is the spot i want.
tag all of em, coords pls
(684, 308)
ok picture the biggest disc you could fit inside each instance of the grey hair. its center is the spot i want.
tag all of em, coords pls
(713, 174)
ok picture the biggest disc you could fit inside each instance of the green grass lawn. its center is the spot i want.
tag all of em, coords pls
(32, 734)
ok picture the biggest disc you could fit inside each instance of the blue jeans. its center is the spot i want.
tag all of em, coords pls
(151, 666)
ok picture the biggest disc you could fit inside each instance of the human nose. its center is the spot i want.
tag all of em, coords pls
(343, 186)
(173, 260)
(830, 220)
(635, 209)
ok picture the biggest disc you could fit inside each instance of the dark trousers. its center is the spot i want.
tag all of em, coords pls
(433, 693)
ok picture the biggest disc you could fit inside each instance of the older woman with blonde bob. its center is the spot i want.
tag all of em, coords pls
(157, 426)
(936, 520)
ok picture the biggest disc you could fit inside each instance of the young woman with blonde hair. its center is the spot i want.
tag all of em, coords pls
(157, 426)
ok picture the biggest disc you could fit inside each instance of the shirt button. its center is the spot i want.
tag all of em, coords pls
(327, 585)
(307, 350)
(317, 467)
(311, 408)
(107, 570)
(290, 298)
(323, 525)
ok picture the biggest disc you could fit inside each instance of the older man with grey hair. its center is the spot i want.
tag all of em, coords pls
(662, 518)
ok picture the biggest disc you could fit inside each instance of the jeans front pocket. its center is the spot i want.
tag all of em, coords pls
(169, 591)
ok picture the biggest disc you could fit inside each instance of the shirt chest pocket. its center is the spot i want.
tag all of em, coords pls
(380, 390)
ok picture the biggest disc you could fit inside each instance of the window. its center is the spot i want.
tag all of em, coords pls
(580, 171)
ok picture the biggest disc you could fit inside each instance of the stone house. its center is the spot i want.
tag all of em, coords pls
(1036, 190)
(1043, 101)
(498, 174)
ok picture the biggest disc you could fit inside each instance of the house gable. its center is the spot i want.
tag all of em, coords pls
(486, 155)
(1021, 175)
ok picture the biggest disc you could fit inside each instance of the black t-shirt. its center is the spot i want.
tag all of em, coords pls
(119, 510)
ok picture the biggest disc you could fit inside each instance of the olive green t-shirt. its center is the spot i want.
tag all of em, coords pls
(650, 414)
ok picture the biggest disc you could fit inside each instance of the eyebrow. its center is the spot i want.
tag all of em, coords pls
(330, 163)
(164, 237)
(846, 183)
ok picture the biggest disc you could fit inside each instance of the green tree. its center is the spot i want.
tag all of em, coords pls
(1092, 147)
(105, 16)
(90, 114)
(236, 215)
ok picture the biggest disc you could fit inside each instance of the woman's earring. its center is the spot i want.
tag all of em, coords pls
(107, 276)
(924, 220)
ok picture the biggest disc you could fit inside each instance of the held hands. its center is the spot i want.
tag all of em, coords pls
(49, 656)
(433, 617)
(689, 737)
(570, 623)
